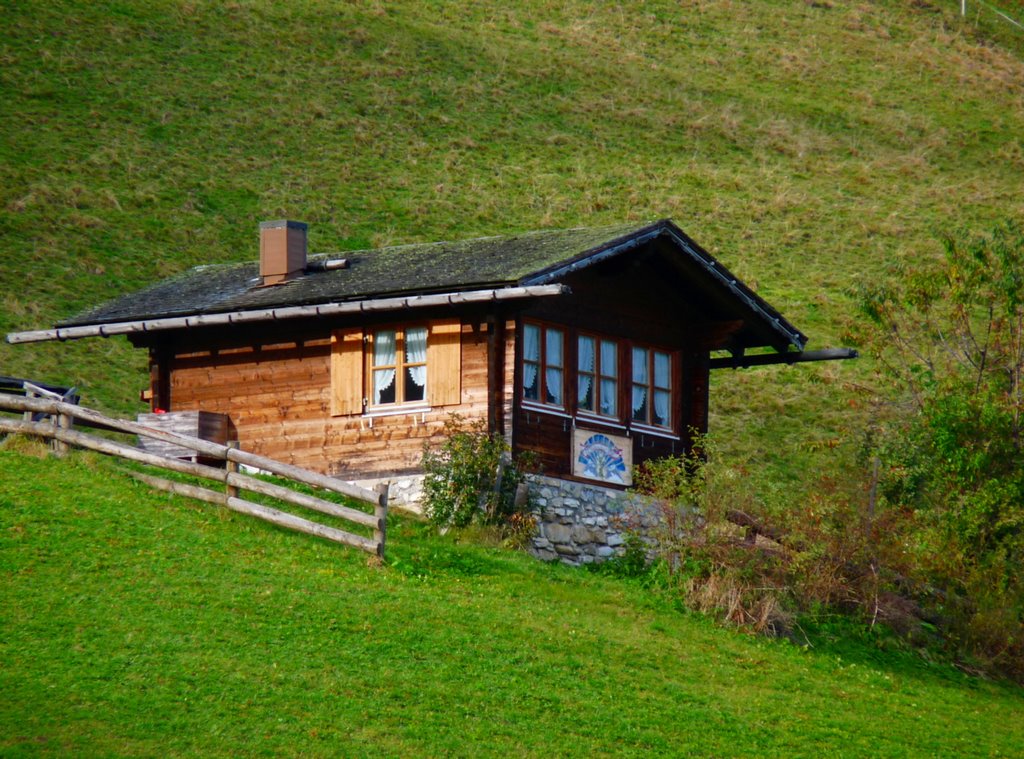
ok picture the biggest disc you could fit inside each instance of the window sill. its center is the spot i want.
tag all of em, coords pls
(597, 421)
(639, 429)
(375, 413)
(601, 421)
(551, 410)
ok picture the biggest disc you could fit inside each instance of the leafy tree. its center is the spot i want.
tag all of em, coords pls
(951, 449)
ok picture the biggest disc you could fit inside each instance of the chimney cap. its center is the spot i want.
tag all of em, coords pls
(284, 224)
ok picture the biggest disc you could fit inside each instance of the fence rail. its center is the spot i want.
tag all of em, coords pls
(53, 419)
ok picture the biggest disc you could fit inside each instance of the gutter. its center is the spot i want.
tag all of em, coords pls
(290, 312)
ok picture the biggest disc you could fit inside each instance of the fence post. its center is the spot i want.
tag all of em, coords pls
(231, 467)
(61, 421)
(27, 416)
(380, 510)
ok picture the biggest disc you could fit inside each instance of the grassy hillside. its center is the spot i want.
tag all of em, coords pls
(805, 143)
(138, 624)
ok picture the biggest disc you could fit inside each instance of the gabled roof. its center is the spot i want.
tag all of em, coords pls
(491, 263)
(399, 270)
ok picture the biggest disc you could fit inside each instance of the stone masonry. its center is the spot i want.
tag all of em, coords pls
(577, 523)
(581, 523)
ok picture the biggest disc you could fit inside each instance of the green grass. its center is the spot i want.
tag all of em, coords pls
(134, 623)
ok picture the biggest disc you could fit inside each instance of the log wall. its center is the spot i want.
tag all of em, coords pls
(278, 396)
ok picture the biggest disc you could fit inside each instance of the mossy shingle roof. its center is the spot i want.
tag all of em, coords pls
(402, 269)
(441, 267)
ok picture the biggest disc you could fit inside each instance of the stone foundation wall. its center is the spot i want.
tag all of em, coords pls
(405, 491)
(577, 523)
(580, 523)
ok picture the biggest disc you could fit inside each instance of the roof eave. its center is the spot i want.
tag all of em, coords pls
(771, 318)
(288, 312)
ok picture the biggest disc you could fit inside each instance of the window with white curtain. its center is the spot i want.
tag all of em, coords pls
(398, 366)
(543, 360)
(652, 387)
(597, 371)
(622, 381)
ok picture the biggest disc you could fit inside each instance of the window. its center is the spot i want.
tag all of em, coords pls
(597, 371)
(652, 387)
(611, 380)
(543, 365)
(396, 366)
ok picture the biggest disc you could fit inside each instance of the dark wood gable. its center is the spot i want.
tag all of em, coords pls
(648, 300)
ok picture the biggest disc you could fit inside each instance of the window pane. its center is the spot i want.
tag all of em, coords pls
(384, 386)
(531, 343)
(585, 392)
(553, 340)
(661, 369)
(609, 359)
(553, 385)
(639, 403)
(662, 407)
(384, 348)
(640, 366)
(530, 374)
(585, 354)
(415, 383)
(609, 389)
(416, 345)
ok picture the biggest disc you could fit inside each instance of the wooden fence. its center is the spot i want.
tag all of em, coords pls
(53, 419)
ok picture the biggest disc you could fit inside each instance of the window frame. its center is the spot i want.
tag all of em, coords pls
(598, 375)
(651, 388)
(543, 365)
(400, 366)
(623, 378)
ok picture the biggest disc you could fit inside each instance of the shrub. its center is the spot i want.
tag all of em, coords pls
(951, 439)
(759, 561)
(470, 477)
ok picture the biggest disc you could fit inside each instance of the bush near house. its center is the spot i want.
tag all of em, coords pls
(471, 477)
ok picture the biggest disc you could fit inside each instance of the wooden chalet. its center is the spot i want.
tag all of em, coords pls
(589, 347)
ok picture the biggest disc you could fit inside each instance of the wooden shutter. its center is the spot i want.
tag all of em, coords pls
(444, 363)
(347, 372)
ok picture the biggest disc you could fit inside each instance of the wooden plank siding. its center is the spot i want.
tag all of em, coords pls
(631, 304)
(278, 395)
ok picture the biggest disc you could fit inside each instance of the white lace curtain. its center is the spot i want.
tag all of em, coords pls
(585, 362)
(416, 353)
(661, 380)
(609, 368)
(383, 355)
(639, 379)
(553, 375)
(531, 353)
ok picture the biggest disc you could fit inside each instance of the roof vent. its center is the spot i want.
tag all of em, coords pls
(331, 264)
(282, 250)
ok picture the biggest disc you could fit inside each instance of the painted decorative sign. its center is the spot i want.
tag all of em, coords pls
(607, 458)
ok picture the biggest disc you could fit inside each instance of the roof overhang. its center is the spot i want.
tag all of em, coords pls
(792, 357)
(767, 315)
(290, 312)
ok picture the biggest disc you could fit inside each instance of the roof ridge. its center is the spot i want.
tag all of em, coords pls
(485, 238)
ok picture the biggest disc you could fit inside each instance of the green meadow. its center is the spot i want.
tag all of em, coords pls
(140, 624)
(810, 145)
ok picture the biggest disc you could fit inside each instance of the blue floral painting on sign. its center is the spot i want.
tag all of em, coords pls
(601, 458)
